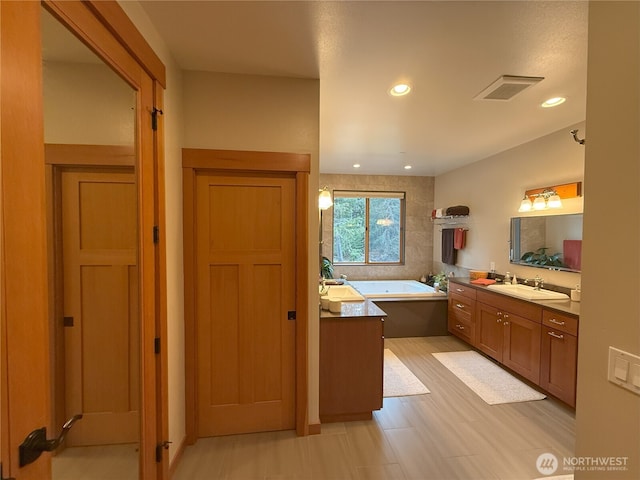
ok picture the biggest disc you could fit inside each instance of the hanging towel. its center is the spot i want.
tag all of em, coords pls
(449, 253)
(572, 254)
(459, 238)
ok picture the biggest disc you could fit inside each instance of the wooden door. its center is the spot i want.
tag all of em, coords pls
(522, 346)
(99, 250)
(490, 331)
(245, 261)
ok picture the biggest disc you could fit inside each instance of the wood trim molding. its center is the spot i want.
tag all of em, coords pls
(189, 239)
(302, 303)
(200, 159)
(121, 27)
(245, 160)
(71, 154)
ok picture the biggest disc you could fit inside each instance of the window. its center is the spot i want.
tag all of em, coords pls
(368, 227)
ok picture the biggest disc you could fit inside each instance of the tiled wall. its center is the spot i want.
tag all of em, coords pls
(419, 229)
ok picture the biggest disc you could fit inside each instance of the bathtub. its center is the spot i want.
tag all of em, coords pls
(413, 309)
(394, 288)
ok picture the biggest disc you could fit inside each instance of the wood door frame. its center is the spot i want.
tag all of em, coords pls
(105, 29)
(227, 161)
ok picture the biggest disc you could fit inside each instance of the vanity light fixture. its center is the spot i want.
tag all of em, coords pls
(356, 165)
(408, 167)
(549, 197)
(324, 199)
(553, 102)
(400, 89)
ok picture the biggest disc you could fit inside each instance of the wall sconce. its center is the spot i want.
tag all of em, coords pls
(549, 197)
(324, 199)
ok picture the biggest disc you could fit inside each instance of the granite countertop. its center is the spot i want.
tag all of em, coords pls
(355, 309)
(565, 306)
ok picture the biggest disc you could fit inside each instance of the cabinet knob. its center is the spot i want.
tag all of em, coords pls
(506, 323)
(498, 320)
(459, 305)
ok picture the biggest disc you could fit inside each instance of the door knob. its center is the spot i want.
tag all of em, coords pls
(36, 442)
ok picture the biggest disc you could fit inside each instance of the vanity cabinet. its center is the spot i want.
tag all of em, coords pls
(559, 355)
(461, 320)
(509, 331)
(351, 367)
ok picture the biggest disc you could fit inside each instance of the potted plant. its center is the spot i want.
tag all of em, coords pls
(440, 281)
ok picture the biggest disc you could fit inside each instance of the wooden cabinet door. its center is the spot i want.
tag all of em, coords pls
(521, 350)
(490, 330)
(351, 368)
(558, 364)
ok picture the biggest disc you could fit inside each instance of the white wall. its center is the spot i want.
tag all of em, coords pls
(173, 132)
(88, 104)
(608, 417)
(493, 189)
(245, 112)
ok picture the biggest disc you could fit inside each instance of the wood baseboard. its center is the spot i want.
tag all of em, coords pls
(315, 428)
(177, 458)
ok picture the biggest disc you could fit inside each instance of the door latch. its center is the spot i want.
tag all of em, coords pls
(36, 442)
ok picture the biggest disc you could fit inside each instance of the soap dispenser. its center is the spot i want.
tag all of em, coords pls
(507, 278)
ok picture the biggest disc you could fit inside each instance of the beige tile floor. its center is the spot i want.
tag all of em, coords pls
(447, 434)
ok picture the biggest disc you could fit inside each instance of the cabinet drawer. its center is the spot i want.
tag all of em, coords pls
(559, 321)
(461, 327)
(461, 306)
(458, 289)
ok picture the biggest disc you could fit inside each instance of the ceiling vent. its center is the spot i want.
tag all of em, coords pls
(506, 87)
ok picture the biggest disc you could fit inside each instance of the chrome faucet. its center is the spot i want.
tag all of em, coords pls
(323, 286)
(538, 282)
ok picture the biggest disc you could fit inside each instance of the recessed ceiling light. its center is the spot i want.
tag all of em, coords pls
(400, 89)
(407, 167)
(553, 102)
(356, 165)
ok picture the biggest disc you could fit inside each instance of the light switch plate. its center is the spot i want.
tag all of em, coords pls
(624, 369)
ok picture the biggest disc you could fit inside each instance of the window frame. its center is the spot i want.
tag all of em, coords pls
(368, 195)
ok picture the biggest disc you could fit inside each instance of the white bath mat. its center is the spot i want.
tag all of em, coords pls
(399, 381)
(490, 382)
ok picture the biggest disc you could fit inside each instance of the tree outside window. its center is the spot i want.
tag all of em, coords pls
(368, 227)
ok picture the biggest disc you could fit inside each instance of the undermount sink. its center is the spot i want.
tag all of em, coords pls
(344, 293)
(527, 292)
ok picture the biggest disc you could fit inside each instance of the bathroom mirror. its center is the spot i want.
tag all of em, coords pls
(90, 145)
(551, 242)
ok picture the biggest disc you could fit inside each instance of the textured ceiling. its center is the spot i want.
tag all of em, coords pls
(448, 51)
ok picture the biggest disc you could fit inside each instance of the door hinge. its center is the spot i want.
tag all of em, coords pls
(156, 234)
(161, 446)
(154, 118)
(156, 345)
(291, 315)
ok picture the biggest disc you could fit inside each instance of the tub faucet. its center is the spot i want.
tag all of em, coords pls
(538, 282)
